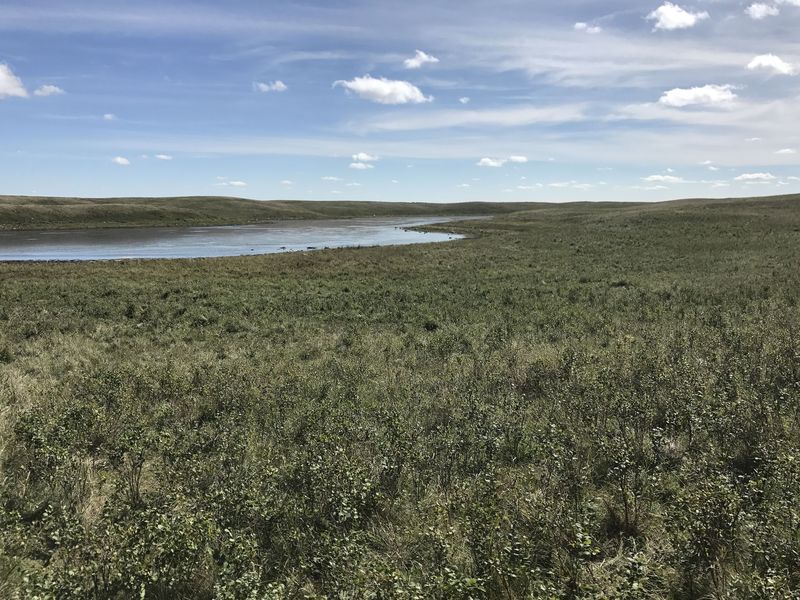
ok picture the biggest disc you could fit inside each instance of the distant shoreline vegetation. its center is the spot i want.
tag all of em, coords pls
(28, 212)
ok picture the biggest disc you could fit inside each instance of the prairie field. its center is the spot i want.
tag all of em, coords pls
(575, 401)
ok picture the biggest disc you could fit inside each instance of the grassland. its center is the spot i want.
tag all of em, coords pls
(26, 212)
(577, 401)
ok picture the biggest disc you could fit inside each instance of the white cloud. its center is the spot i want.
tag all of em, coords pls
(712, 95)
(670, 16)
(464, 100)
(163, 157)
(331, 178)
(364, 157)
(756, 177)
(580, 26)
(353, 184)
(419, 59)
(287, 182)
(491, 162)
(464, 185)
(361, 166)
(384, 91)
(518, 159)
(10, 84)
(272, 86)
(121, 160)
(772, 63)
(786, 151)
(664, 179)
(789, 2)
(48, 90)
(759, 11)
(236, 183)
(109, 117)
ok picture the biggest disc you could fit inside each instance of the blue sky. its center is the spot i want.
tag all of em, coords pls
(426, 101)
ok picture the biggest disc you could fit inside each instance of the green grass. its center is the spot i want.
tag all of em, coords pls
(577, 401)
(23, 212)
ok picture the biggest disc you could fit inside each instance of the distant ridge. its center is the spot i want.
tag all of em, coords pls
(32, 212)
(38, 212)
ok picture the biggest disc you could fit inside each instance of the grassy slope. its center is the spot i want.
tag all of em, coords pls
(20, 212)
(579, 401)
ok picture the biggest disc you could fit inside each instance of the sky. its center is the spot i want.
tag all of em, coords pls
(437, 101)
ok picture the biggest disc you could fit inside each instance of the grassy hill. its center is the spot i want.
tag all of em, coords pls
(575, 401)
(25, 212)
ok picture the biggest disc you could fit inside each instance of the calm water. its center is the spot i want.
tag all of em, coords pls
(197, 242)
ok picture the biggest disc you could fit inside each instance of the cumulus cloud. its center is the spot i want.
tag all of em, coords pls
(518, 159)
(755, 177)
(759, 11)
(664, 179)
(580, 26)
(770, 62)
(48, 90)
(491, 162)
(121, 160)
(10, 84)
(384, 91)
(464, 100)
(272, 86)
(670, 16)
(710, 95)
(364, 157)
(361, 166)
(163, 157)
(419, 59)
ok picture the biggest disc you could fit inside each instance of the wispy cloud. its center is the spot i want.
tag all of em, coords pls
(755, 177)
(272, 86)
(664, 179)
(420, 58)
(48, 90)
(514, 116)
(492, 162)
